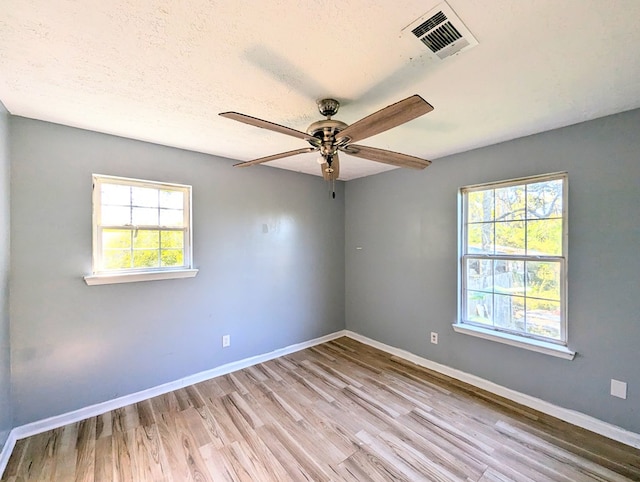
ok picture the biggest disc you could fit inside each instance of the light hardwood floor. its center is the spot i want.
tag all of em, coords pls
(338, 411)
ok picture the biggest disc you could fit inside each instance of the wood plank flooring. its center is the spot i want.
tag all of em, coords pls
(339, 411)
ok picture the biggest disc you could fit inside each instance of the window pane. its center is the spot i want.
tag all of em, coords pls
(171, 217)
(479, 274)
(510, 203)
(115, 216)
(171, 199)
(543, 318)
(145, 216)
(116, 238)
(146, 239)
(116, 258)
(172, 239)
(145, 258)
(144, 197)
(544, 199)
(544, 237)
(509, 277)
(509, 312)
(480, 238)
(172, 257)
(480, 206)
(480, 307)
(115, 194)
(510, 237)
(543, 280)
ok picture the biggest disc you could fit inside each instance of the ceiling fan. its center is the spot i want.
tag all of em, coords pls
(330, 136)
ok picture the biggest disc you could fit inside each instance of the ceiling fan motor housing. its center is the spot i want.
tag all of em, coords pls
(324, 136)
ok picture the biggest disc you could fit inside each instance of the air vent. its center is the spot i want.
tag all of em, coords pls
(442, 31)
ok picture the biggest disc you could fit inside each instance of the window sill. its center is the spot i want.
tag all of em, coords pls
(513, 340)
(107, 279)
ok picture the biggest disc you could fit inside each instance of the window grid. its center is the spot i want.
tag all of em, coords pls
(133, 230)
(525, 294)
(131, 249)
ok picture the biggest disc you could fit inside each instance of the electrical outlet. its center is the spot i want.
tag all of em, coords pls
(226, 341)
(618, 389)
(434, 338)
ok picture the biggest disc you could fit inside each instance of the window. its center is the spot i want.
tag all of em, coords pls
(513, 262)
(141, 230)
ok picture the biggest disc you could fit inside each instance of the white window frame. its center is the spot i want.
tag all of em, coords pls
(528, 341)
(108, 276)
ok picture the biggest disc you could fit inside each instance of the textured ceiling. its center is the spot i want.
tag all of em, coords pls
(161, 70)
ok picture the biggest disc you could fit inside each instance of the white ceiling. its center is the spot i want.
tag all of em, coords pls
(161, 70)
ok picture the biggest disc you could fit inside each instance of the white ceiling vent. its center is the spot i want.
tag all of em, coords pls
(442, 31)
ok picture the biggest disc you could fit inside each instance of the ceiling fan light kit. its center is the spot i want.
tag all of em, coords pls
(329, 136)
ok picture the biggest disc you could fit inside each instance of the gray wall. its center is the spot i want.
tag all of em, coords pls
(269, 245)
(403, 283)
(6, 416)
(74, 345)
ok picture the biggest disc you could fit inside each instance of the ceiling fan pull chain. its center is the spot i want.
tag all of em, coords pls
(331, 183)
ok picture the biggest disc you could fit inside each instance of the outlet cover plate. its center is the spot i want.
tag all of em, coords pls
(618, 389)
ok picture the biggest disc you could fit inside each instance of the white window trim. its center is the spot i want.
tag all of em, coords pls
(559, 348)
(547, 348)
(107, 279)
(134, 275)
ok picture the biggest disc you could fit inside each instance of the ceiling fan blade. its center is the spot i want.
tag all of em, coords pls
(275, 156)
(387, 118)
(254, 121)
(386, 157)
(335, 165)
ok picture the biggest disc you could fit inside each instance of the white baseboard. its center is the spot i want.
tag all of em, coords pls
(7, 448)
(576, 418)
(571, 416)
(103, 407)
